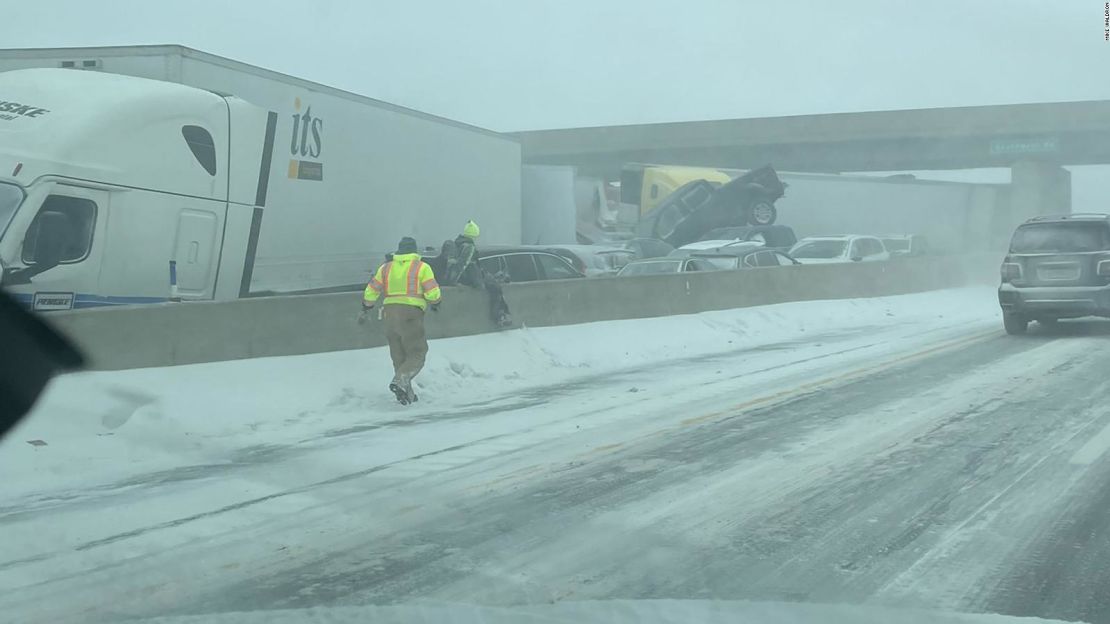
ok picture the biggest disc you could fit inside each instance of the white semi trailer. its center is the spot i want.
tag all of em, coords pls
(116, 161)
(956, 217)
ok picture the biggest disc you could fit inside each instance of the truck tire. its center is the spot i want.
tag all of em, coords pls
(762, 212)
(1014, 323)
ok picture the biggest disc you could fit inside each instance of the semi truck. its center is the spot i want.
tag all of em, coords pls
(141, 174)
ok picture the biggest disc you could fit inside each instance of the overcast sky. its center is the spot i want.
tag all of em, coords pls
(525, 64)
(520, 64)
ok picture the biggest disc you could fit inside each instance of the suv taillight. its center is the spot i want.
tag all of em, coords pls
(1103, 268)
(1011, 271)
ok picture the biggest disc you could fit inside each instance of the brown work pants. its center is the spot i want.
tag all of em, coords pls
(404, 329)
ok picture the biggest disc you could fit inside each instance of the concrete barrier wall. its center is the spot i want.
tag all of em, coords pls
(187, 333)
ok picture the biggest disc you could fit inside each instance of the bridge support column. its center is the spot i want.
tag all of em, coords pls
(1039, 188)
(1036, 188)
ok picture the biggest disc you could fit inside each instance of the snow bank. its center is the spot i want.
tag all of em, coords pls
(106, 425)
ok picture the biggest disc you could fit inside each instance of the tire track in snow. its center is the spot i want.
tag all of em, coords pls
(542, 512)
(560, 533)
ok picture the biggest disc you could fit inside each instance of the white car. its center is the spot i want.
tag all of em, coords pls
(839, 249)
(711, 246)
(664, 266)
(906, 245)
(595, 260)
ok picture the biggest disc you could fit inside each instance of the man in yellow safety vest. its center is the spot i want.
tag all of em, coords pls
(406, 286)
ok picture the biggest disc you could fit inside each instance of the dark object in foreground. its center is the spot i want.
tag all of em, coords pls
(700, 206)
(32, 354)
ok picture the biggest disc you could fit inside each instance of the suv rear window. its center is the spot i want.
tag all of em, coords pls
(1061, 237)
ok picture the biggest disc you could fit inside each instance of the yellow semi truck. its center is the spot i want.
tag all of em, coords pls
(654, 183)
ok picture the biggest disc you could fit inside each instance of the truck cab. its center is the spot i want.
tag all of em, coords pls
(106, 180)
(647, 186)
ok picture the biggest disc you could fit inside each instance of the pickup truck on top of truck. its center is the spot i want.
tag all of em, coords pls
(701, 205)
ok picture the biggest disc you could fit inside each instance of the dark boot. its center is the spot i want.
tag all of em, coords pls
(401, 389)
(400, 393)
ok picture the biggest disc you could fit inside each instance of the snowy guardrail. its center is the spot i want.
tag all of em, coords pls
(186, 333)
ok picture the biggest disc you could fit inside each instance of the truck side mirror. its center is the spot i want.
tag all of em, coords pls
(49, 238)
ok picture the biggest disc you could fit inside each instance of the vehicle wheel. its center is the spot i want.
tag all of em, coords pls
(1014, 324)
(762, 212)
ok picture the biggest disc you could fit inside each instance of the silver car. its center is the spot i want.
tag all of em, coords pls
(664, 266)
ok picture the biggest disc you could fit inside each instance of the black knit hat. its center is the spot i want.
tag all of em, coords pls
(407, 245)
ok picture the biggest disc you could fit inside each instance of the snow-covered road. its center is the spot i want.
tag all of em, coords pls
(899, 451)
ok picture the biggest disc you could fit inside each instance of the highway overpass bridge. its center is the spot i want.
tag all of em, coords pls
(1034, 140)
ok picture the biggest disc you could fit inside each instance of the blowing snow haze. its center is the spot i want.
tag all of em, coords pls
(512, 66)
(521, 66)
(565, 311)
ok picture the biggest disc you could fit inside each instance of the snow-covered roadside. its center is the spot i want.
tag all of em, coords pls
(108, 425)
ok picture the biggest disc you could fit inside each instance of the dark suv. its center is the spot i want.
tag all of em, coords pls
(1057, 267)
(526, 263)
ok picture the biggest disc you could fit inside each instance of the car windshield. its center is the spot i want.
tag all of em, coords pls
(613, 259)
(11, 197)
(650, 248)
(651, 268)
(897, 244)
(1061, 237)
(601, 262)
(740, 247)
(819, 249)
(721, 262)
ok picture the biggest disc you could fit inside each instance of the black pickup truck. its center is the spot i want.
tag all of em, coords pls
(699, 206)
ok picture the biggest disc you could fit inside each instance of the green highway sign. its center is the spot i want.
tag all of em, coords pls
(1025, 146)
